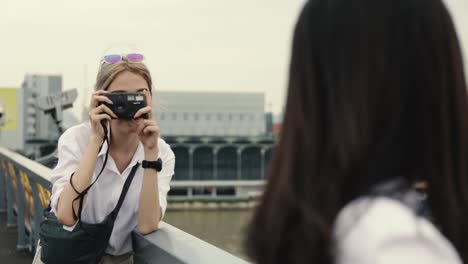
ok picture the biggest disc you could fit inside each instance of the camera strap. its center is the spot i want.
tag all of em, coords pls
(82, 194)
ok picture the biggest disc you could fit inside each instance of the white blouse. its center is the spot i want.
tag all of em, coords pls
(384, 231)
(103, 196)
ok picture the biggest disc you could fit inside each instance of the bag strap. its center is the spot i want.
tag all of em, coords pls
(125, 188)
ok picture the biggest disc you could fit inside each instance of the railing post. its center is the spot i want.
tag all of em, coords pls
(11, 216)
(262, 164)
(215, 163)
(191, 151)
(22, 242)
(3, 205)
(37, 213)
(239, 162)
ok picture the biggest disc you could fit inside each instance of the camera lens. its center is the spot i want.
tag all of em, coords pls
(120, 108)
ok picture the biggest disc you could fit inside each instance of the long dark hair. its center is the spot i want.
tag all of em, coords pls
(376, 90)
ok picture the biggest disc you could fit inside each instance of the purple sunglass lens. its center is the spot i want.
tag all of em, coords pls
(112, 58)
(135, 57)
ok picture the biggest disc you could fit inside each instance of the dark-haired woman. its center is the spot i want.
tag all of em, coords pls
(377, 101)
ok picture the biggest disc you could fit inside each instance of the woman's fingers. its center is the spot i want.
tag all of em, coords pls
(149, 122)
(101, 99)
(147, 125)
(100, 117)
(140, 127)
(108, 111)
(151, 129)
(142, 111)
(148, 103)
(102, 109)
(145, 110)
(97, 100)
(99, 112)
(98, 96)
(101, 92)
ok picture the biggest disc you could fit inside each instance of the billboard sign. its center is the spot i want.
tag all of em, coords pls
(8, 102)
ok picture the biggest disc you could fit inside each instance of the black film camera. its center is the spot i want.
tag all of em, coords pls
(126, 104)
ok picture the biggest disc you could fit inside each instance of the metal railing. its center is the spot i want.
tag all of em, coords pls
(239, 190)
(26, 184)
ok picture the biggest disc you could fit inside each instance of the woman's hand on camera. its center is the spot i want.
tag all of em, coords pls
(99, 112)
(148, 130)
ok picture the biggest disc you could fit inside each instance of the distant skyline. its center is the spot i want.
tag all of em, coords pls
(209, 45)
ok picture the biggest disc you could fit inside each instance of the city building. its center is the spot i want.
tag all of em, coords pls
(24, 127)
(210, 114)
(40, 126)
(222, 142)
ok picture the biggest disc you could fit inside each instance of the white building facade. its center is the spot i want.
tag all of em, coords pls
(210, 113)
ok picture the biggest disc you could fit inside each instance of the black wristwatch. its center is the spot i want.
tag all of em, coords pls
(157, 165)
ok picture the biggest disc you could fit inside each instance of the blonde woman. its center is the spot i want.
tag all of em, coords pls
(131, 142)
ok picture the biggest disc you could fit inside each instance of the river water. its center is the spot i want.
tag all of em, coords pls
(222, 228)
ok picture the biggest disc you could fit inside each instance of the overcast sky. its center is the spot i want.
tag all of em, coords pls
(194, 45)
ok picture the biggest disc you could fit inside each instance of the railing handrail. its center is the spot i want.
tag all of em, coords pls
(218, 183)
(171, 241)
(34, 167)
(167, 245)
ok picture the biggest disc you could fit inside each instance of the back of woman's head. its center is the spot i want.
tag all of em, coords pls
(377, 90)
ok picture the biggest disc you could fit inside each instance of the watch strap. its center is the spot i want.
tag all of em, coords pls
(156, 164)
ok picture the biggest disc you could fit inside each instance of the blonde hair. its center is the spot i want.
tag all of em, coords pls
(108, 72)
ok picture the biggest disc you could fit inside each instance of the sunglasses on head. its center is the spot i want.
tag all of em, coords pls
(131, 57)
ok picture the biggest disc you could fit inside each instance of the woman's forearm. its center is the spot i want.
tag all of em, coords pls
(81, 180)
(149, 212)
